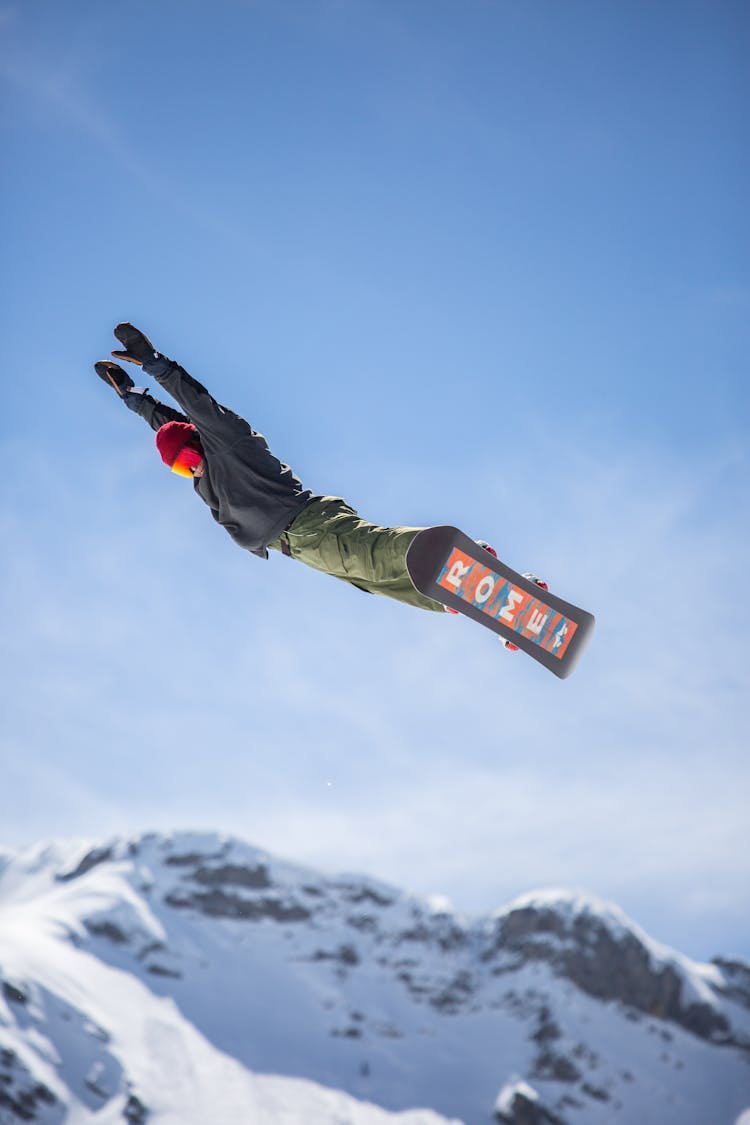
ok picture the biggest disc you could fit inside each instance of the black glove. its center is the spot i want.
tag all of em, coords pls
(113, 374)
(138, 348)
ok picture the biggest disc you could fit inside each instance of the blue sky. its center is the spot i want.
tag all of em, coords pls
(482, 264)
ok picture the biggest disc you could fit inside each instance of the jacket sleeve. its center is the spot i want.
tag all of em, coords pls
(151, 410)
(214, 421)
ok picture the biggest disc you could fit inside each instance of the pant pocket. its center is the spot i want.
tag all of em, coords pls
(314, 536)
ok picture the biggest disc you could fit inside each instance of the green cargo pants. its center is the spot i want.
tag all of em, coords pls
(328, 535)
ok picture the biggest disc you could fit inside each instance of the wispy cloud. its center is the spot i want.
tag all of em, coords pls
(59, 88)
(196, 685)
(153, 674)
(52, 83)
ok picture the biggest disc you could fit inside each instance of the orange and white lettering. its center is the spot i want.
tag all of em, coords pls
(537, 622)
(508, 612)
(484, 589)
(560, 636)
(457, 573)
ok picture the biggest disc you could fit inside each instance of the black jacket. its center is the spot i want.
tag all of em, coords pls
(249, 491)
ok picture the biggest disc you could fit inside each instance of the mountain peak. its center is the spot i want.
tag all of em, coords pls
(342, 979)
(571, 904)
(595, 945)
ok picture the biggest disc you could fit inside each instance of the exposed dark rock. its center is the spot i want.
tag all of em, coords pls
(598, 1093)
(605, 965)
(524, 1110)
(347, 1033)
(706, 1023)
(549, 1064)
(548, 1030)
(450, 937)
(99, 1091)
(90, 860)
(135, 1112)
(162, 971)
(344, 955)
(585, 1055)
(509, 965)
(419, 932)
(417, 989)
(218, 904)
(187, 859)
(192, 859)
(737, 977)
(365, 923)
(234, 875)
(453, 997)
(20, 1095)
(323, 955)
(152, 947)
(107, 930)
(437, 930)
(96, 1031)
(348, 955)
(355, 893)
(14, 994)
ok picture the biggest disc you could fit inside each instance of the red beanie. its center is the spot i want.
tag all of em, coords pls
(170, 439)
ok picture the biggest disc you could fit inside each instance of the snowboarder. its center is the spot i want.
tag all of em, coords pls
(253, 495)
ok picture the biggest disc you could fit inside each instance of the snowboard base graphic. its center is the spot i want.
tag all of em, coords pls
(448, 566)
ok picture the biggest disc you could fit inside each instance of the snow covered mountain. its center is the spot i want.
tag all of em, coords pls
(193, 979)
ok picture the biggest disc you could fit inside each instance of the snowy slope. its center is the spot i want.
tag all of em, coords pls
(196, 979)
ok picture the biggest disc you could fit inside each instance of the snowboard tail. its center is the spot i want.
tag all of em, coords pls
(448, 566)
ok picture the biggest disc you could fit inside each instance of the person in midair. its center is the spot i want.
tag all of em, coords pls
(256, 498)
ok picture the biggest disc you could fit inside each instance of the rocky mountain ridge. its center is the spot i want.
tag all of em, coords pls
(556, 1004)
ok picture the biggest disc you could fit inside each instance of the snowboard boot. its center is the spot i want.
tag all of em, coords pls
(113, 374)
(485, 544)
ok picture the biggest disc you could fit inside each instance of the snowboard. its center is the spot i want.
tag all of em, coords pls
(448, 566)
